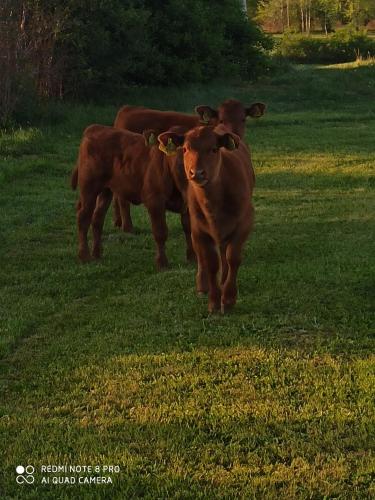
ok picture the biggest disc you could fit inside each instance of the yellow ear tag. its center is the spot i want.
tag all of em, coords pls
(206, 118)
(231, 144)
(152, 139)
(257, 113)
(169, 149)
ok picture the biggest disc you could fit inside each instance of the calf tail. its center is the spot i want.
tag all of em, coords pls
(74, 178)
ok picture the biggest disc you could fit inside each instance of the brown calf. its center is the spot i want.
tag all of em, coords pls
(220, 184)
(120, 162)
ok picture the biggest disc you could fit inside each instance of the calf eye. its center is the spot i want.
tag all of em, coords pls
(184, 149)
(221, 121)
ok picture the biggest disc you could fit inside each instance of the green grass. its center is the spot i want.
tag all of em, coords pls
(113, 363)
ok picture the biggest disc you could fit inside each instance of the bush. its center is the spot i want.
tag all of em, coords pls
(112, 43)
(343, 46)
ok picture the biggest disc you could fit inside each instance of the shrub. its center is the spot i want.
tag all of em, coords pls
(343, 46)
(113, 43)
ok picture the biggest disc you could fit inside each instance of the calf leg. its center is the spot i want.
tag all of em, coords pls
(201, 277)
(116, 212)
(185, 222)
(208, 268)
(126, 220)
(229, 289)
(224, 264)
(102, 203)
(160, 231)
(85, 209)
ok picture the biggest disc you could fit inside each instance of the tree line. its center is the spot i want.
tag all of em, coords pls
(87, 48)
(306, 15)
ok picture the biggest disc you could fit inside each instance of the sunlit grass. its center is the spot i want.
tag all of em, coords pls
(358, 63)
(115, 363)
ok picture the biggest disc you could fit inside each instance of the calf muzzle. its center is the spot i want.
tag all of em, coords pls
(198, 176)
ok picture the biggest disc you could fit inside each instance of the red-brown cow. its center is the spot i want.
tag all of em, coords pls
(220, 184)
(231, 113)
(120, 162)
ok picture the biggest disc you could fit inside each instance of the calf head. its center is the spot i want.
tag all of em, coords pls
(201, 151)
(207, 115)
(232, 114)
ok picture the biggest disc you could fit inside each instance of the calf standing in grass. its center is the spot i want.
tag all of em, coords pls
(220, 185)
(123, 163)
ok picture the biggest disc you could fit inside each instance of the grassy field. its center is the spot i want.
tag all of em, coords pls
(112, 363)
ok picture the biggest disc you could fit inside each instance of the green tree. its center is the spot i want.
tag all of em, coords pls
(153, 42)
(327, 11)
(301, 14)
(359, 12)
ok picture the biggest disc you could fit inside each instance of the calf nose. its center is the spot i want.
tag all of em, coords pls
(197, 174)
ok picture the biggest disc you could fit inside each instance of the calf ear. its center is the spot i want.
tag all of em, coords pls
(256, 110)
(206, 114)
(228, 140)
(150, 137)
(169, 142)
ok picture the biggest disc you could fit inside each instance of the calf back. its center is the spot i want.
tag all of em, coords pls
(138, 119)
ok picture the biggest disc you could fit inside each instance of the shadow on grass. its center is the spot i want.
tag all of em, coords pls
(232, 424)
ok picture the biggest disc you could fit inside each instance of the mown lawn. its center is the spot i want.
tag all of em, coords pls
(112, 363)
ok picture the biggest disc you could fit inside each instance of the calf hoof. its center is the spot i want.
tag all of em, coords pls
(213, 307)
(201, 287)
(225, 308)
(162, 264)
(117, 222)
(84, 257)
(96, 254)
(127, 229)
(202, 291)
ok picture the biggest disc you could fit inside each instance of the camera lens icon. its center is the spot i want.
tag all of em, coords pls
(28, 470)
